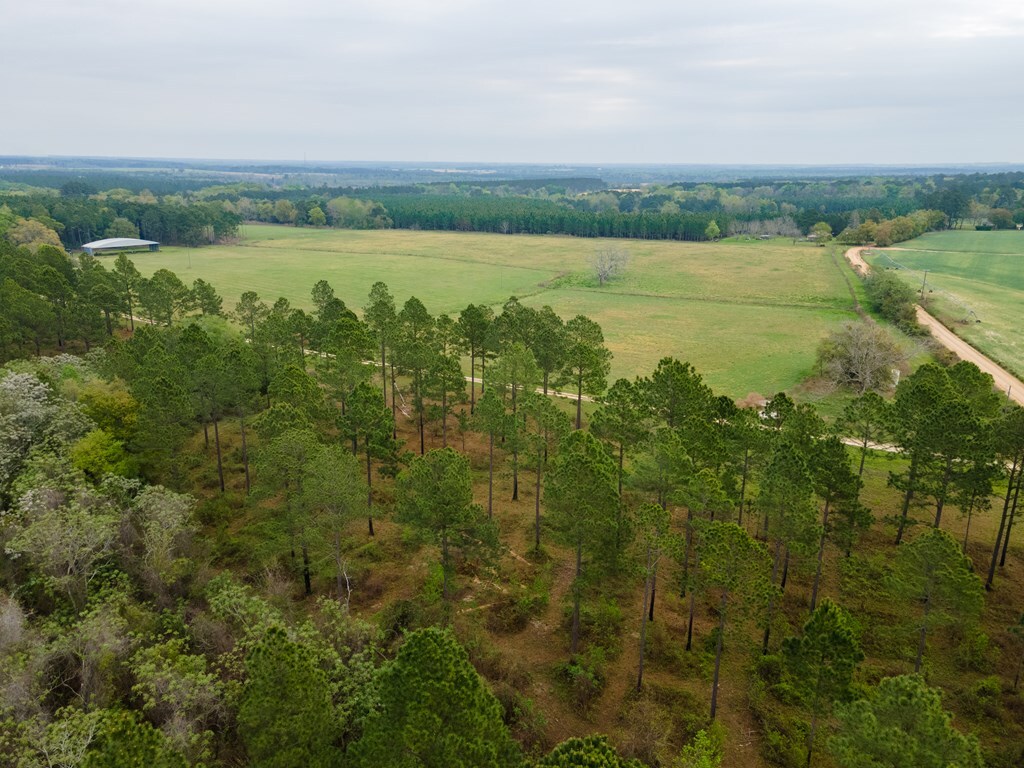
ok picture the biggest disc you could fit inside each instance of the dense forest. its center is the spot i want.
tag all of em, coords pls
(197, 209)
(260, 536)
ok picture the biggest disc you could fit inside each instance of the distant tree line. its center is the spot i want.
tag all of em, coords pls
(79, 219)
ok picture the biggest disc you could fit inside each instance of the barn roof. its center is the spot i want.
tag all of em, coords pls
(119, 242)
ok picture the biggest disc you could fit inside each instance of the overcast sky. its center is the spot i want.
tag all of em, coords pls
(715, 81)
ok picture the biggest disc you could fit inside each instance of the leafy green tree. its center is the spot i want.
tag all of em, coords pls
(335, 492)
(316, 216)
(822, 233)
(516, 324)
(582, 507)
(283, 466)
(435, 712)
(712, 231)
(548, 343)
(733, 569)
(903, 724)
(124, 740)
(180, 692)
(931, 571)
(99, 453)
(251, 312)
(66, 536)
(704, 751)
(345, 344)
(204, 298)
(821, 662)
(285, 212)
(586, 752)
(435, 496)
(285, 715)
(621, 420)
(586, 362)
(163, 296)
(677, 396)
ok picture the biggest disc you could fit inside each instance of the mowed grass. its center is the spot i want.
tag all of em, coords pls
(749, 315)
(976, 283)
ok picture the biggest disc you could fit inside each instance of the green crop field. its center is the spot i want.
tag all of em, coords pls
(748, 314)
(975, 284)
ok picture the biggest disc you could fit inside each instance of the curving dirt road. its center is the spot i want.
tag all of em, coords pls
(1004, 380)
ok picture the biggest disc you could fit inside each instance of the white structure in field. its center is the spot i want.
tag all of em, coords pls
(119, 244)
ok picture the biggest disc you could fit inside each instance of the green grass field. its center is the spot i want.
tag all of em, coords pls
(749, 314)
(976, 283)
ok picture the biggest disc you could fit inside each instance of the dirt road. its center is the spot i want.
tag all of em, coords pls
(1004, 380)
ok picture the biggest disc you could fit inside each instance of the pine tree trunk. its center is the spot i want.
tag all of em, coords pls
(472, 383)
(307, 577)
(394, 404)
(718, 654)
(924, 633)
(821, 554)
(576, 589)
(785, 571)
(220, 464)
(369, 486)
(444, 419)
(693, 608)
(444, 563)
(654, 588)
(579, 401)
(643, 622)
(536, 510)
(771, 600)
(490, 478)
(908, 496)
(384, 375)
(1014, 470)
(941, 500)
(245, 452)
(1009, 522)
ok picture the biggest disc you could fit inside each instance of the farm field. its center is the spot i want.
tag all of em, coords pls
(748, 314)
(976, 283)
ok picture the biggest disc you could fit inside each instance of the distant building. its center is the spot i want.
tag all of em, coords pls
(114, 244)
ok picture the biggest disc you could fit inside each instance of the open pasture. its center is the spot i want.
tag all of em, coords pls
(749, 315)
(975, 286)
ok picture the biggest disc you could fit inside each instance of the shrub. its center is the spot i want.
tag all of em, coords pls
(397, 618)
(584, 677)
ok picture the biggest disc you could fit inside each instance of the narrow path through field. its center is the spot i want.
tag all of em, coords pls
(1004, 380)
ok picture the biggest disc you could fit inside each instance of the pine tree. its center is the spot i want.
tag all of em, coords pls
(435, 712)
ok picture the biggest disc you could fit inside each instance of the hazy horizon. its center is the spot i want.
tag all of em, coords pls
(796, 83)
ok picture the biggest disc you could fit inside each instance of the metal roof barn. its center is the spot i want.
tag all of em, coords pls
(119, 244)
